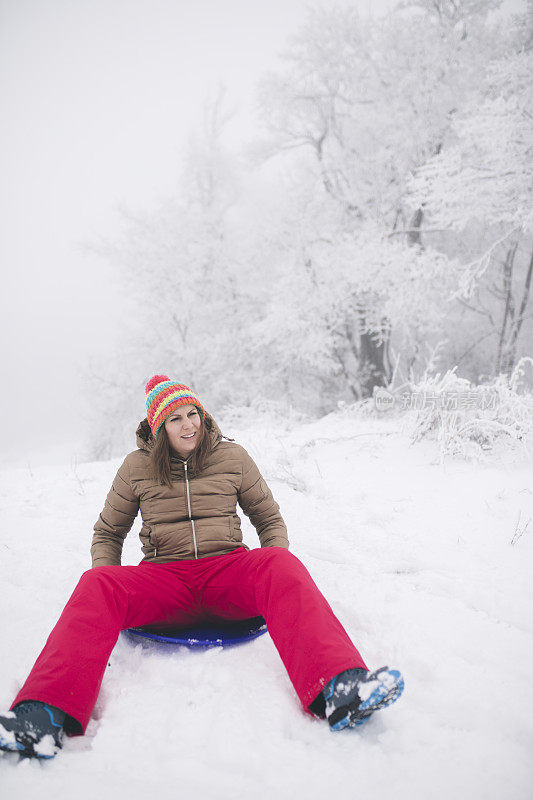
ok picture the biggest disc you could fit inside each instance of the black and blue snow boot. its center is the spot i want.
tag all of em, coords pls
(32, 729)
(353, 696)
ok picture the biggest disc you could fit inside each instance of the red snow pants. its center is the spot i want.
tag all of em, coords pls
(271, 582)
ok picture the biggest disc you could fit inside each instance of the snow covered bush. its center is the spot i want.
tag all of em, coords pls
(469, 420)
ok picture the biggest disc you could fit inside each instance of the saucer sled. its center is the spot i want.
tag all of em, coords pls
(215, 633)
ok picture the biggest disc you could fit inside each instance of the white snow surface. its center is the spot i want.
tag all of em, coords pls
(415, 558)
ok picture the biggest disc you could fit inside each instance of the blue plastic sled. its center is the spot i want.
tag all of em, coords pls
(219, 633)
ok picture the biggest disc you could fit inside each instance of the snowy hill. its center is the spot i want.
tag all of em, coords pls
(416, 559)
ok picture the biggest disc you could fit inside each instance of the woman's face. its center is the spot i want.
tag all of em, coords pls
(183, 427)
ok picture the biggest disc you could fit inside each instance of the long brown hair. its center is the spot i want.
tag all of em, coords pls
(161, 454)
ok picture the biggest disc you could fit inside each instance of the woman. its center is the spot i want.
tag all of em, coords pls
(186, 479)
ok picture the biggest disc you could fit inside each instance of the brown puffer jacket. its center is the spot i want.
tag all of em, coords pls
(196, 517)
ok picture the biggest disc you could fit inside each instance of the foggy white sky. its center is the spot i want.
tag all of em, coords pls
(98, 98)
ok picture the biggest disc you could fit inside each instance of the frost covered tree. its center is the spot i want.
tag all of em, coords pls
(328, 292)
(484, 176)
(364, 105)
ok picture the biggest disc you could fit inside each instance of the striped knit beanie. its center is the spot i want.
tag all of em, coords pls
(163, 396)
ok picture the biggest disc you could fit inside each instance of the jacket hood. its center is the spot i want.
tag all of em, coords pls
(145, 440)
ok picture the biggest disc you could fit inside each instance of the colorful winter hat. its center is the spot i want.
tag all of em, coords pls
(163, 396)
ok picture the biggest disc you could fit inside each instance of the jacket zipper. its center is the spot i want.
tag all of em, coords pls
(190, 514)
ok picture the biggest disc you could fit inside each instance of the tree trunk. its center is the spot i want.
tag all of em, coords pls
(346, 374)
(374, 362)
(414, 236)
(508, 311)
(509, 359)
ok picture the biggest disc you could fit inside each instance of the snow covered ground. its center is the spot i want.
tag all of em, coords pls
(416, 559)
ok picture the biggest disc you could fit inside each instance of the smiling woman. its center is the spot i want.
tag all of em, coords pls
(196, 567)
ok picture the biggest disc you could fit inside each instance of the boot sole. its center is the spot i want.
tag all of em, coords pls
(9, 744)
(382, 696)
